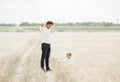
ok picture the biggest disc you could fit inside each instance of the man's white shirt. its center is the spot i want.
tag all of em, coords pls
(45, 35)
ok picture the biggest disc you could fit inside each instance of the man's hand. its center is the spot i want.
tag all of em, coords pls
(42, 25)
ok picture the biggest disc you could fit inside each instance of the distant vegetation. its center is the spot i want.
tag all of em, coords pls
(29, 24)
(9, 25)
(105, 24)
(62, 27)
(87, 24)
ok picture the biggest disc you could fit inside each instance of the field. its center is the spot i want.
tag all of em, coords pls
(96, 57)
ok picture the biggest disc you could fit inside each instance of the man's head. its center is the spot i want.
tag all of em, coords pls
(69, 55)
(49, 24)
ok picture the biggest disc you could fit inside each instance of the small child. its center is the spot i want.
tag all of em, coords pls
(68, 60)
(68, 68)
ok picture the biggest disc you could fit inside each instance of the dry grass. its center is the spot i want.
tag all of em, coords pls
(13, 45)
(96, 58)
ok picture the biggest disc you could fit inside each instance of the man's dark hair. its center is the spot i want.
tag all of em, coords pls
(49, 22)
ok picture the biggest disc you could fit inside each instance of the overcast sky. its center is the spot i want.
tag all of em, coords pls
(16, 11)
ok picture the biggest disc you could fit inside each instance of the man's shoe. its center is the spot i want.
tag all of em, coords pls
(48, 70)
(43, 69)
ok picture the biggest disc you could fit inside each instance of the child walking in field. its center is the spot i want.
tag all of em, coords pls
(68, 61)
(68, 68)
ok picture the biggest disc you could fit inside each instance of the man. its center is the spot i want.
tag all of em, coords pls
(46, 44)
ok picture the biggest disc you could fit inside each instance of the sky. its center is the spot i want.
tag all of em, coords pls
(16, 11)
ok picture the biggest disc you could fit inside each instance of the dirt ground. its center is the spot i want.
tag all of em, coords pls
(96, 57)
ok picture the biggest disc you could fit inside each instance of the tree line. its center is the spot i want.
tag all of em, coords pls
(63, 24)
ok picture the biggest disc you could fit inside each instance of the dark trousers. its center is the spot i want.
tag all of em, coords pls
(45, 55)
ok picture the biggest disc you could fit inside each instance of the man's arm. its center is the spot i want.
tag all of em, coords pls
(42, 25)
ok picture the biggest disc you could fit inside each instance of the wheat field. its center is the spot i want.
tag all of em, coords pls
(96, 57)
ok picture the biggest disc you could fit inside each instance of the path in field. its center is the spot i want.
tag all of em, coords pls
(28, 69)
(12, 48)
(20, 70)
